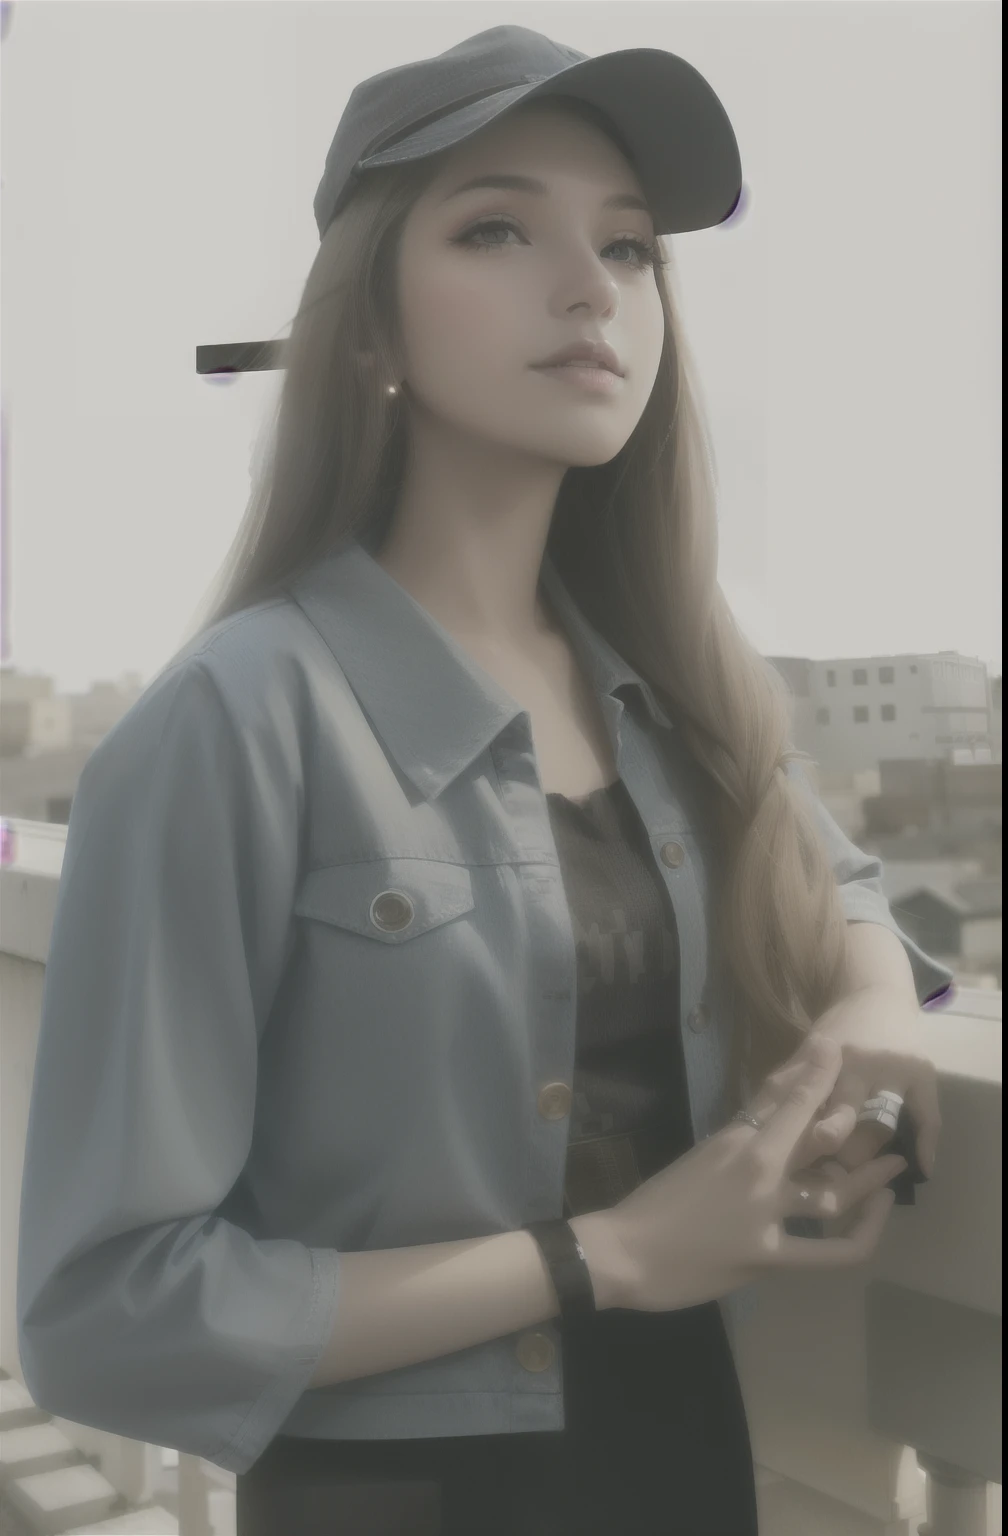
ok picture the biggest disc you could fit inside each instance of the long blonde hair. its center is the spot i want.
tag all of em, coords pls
(636, 543)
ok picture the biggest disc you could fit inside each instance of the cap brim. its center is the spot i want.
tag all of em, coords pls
(684, 147)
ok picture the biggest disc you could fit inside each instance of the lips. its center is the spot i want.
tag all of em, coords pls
(596, 353)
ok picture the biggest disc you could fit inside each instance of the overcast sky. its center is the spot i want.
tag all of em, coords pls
(159, 162)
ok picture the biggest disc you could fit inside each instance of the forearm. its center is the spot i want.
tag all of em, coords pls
(398, 1306)
(876, 958)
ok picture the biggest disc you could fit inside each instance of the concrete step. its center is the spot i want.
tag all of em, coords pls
(52, 1503)
(35, 1448)
(152, 1521)
(16, 1406)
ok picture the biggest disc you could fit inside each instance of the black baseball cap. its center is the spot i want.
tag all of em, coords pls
(679, 135)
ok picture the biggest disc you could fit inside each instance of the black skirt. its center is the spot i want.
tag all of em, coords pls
(655, 1443)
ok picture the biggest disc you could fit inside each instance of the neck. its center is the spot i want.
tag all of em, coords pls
(468, 534)
(475, 585)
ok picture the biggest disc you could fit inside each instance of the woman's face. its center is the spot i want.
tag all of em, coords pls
(480, 307)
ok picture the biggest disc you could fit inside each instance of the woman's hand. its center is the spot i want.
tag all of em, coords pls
(835, 1196)
(878, 1031)
(714, 1218)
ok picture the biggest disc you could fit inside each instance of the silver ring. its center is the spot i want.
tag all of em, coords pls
(878, 1117)
(743, 1114)
(885, 1099)
(881, 1109)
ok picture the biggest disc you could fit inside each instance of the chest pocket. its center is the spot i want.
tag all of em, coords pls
(390, 900)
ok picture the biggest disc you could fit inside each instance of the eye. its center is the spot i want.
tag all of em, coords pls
(645, 251)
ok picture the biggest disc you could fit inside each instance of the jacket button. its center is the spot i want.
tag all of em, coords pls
(536, 1351)
(698, 1020)
(672, 854)
(391, 911)
(554, 1101)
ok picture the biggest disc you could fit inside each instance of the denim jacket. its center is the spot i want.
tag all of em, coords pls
(310, 989)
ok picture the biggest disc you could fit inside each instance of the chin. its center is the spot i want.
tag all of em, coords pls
(589, 449)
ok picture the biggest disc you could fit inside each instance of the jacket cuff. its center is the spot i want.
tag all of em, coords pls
(272, 1409)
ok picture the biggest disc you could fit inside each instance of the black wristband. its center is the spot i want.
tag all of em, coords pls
(567, 1266)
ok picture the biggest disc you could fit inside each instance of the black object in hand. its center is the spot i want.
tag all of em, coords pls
(902, 1142)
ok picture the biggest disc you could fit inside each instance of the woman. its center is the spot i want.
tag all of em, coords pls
(436, 905)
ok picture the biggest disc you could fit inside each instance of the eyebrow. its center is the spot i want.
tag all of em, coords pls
(529, 184)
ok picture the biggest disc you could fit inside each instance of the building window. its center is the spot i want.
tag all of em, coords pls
(888, 711)
(830, 678)
(822, 717)
(860, 714)
(860, 674)
(886, 674)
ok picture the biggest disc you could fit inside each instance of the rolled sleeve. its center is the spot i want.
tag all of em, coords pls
(859, 882)
(139, 1310)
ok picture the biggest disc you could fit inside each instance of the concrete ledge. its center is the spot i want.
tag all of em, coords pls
(788, 1509)
(153, 1521)
(934, 1376)
(27, 909)
(53, 1502)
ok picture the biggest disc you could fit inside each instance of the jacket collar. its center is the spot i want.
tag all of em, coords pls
(434, 709)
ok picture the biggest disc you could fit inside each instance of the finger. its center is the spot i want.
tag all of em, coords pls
(783, 1132)
(837, 1252)
(842, 1110)
(813, 1148)
(865, 1142)
(837, 1196)
(834, 1129)
(771, 1091)
(830, 1170)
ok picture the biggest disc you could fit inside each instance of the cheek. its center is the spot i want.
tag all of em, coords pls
(463, 313)
(650, 321)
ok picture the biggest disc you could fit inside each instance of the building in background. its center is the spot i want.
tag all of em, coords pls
(994, 711)
(851, 714)
(46, 738)
(907, 759)
(953, 911)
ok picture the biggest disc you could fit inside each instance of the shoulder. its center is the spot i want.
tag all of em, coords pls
(233, 691)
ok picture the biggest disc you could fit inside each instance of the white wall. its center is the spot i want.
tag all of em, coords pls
(159, 165)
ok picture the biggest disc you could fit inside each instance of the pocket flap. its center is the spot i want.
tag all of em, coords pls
(387, 899)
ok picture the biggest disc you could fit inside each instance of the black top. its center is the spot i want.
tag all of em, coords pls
(629, 1074)
(655, 1395)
